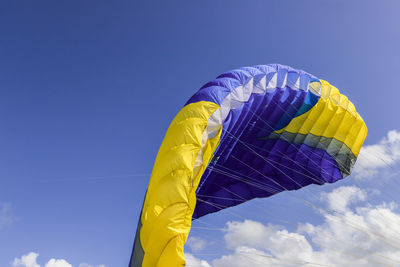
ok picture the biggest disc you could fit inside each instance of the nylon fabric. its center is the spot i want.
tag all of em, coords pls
(250, 133)
(170, 199)
(333, 116)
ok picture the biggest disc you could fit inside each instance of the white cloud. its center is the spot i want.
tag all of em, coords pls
(30, 260)
(192, 261)
(340, 198)
(57, 263)
(270, 238)
(196, 244)
(89, 265)
(246, 256)
(6, 217)
(362, 236)
(372, 158)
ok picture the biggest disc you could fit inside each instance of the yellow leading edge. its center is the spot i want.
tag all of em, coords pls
(170, 200)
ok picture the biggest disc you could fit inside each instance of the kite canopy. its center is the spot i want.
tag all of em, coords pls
(250, 133)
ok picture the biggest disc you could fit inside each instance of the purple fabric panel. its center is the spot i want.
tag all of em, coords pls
(215, 91)
(270, 174)
(247, 163)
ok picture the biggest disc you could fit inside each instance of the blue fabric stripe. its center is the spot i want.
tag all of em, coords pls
(216, 90)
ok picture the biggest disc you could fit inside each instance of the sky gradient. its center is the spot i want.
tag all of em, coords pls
(88, 89)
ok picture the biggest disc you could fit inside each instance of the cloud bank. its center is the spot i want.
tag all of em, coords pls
(374, 158)
(30, 260)
(196, 244)
(362, 236)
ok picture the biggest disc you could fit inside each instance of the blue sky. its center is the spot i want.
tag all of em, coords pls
(88, 89)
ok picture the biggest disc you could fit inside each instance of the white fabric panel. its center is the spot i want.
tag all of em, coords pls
(241, 94)
(283, 85)
(261, 86)
(272, 84)
(315, 88)
(199, 159)
(293, 80)
(248, 90)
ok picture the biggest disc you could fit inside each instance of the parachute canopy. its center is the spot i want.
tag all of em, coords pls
(250, 133)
